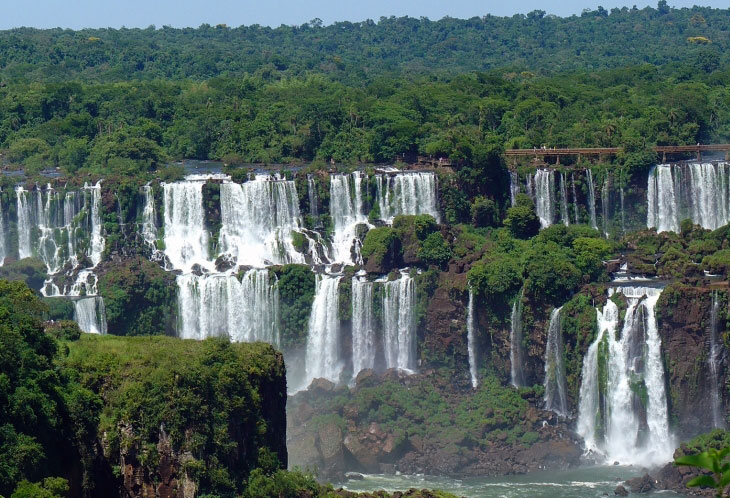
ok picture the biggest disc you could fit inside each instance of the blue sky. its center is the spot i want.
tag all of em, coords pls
(180, 13)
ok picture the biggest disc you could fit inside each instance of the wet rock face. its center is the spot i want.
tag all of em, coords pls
(683, 315)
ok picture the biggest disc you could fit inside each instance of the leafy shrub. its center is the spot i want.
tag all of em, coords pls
(380, 243)
(521, 219)
(296, 285)
(435, 250)
(484, 212)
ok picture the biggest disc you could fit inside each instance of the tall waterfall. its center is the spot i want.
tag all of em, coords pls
(24, 223)
(555, 390)
(3, 236)
(312, 194)
(605, 204)
(90, 314)
(219, 305)
(699, 191)
(399, 302)
(471, 344)
(323, 342)
(257, 220)
(407, 193)
(564, 216)
(96, 245)
(186, 239)
(517, 374)
(363, 326)
(623, 406)
(591, 198)
(149, 218)
(713, 362)
(544, 197)
(575, 199)
(346, 210)
(514, 187)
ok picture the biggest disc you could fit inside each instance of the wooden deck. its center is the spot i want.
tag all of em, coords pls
(610, 151)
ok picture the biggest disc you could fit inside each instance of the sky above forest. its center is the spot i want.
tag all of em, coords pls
(78, 14)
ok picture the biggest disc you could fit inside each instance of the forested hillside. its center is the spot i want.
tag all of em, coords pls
(689, 39)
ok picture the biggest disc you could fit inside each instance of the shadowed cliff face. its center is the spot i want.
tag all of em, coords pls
(684, 317)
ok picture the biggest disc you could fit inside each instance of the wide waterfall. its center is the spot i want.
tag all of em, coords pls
(90, 314)
(623, 412)
(713, 362)
(517, 374)
(257, 220)
(323, 341)
(219, 305)
(591, 198)
(698, 191)
(555, 391)
(186, 238)
(346, 210)
(399, 337)
(470, 338)
(407, 193)
(363, 326)
(545, 197)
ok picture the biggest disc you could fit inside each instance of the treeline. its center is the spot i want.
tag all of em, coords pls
(687, 39)
(132, 127)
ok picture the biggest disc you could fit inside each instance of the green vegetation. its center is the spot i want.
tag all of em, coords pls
(296, 285)
(712, 460)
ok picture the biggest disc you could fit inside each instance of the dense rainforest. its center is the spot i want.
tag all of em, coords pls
(460, 320)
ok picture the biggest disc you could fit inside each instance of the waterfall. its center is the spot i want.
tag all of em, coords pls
(219, 305)
(346, 210)
(312, 194)
(323, 342)
(623, 213)
(517, 374)
(96, 246)
(514, 187)
(544, 198)
(24, 223)
(713, 362)
(406, 193)
(257, 221)
(591, 198)
(471, 341)
(623, 407)
(3, 237)
(149, 223)
(564, 216)
(399, 337)
(186, 239)
(575, 198)
(529, 187)
(555, 390)
(90, 314)
(699, 191)
(363, 326)
(605, 203)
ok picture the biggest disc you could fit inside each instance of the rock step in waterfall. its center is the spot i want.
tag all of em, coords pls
(623, 415)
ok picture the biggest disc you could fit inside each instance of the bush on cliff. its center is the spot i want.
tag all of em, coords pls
(296, 285)
(381, 247)
(521, 219)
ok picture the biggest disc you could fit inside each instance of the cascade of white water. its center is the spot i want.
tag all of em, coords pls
(591, 198)
(529, 187)
(149, 223)
(346, 210)
(605, 204)
(564, 216)
(90, 314)
(620, 373)
(399, 335)
(24, 222)
(544, 197)
(257, 221)
(699, 191)
(219, 305)
(323, 341)
(471, 340)
(363, 326)
(555, 391)
(3, 235)
(514, 187)
(517, 374)
(713, 362)
(575, 199)
(312, 193)
(407, 193)
(96, 245)
(186, 239)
